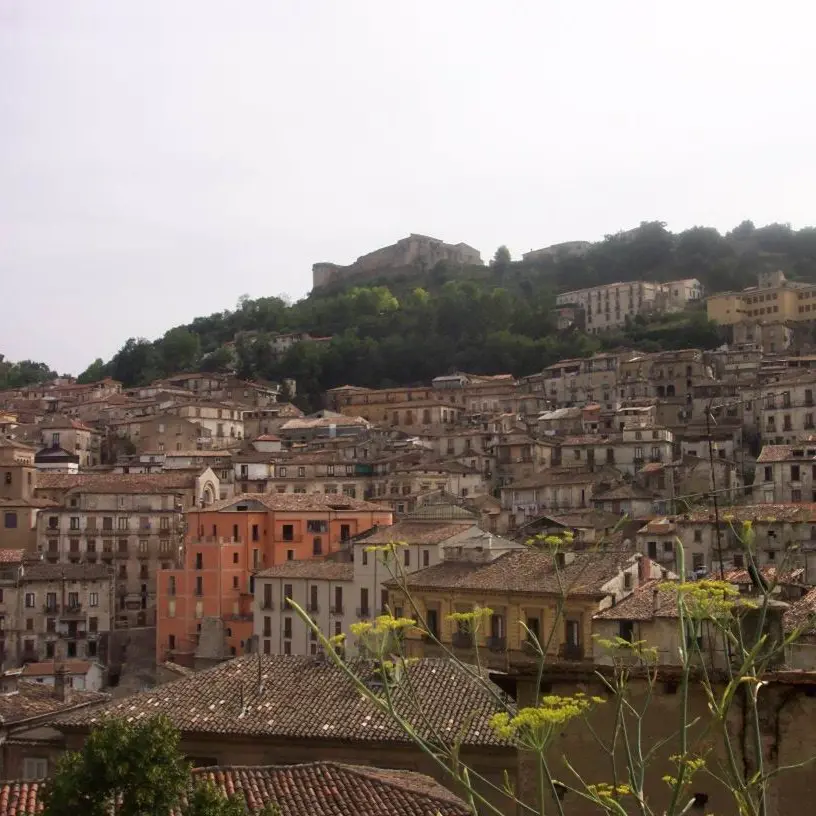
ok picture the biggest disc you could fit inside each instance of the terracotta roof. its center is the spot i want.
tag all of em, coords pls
(622, 492)
(416, 533)
(304, 423)
(527, 571)
(171, 482)
(182, 671)
(313, 789)
(284, 502)
(310, 698)
(46, 669)
(782, 453)
(267, 438)
(40, 571)
(20, 798)
(742, 576)
(312, 569)
(769, 513)
(651, 599)
(802, 613)
(36, 700)
(659, 526)
(564, 476)
(11, 556)
(60, 422)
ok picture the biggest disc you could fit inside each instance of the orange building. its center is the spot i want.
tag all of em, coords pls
(226, 544)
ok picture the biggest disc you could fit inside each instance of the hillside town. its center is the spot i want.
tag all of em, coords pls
(159, 535)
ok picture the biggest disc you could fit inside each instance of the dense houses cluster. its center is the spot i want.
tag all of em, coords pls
(175, 525)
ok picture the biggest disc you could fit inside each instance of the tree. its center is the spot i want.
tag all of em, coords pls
(180, 350)
(501, 259)
(135, 769)
(93, 373)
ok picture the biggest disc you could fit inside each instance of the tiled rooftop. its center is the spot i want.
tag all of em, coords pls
(769, 513)
(282, 696)
(409, 532)
(117, 482)
(288, 502)
(783, 453)
(311, 569)
(527, 571)
(651, 599)
(802, 614)
(36, 700)
(40, 571)
(313, 789)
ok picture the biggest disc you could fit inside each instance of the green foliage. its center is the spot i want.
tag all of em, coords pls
(127, 768)
(490, 319)
(133, 769)
(26, 372)
(93, 373)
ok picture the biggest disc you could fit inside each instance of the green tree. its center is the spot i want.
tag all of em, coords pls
(501, 259)
(135, 769)
(180, 350)
(93, 373)
(126, 769)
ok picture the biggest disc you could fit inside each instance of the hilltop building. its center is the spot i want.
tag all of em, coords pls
(413, 251)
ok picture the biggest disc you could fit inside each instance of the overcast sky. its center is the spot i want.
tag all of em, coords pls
(158, 158)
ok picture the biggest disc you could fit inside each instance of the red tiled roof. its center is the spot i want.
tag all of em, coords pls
(409, 532)
(11, 556)
(312, 789)
(172, 482)
(292, 502)
(312, 569)
(285, 696)
(37, 700)
(47, 668)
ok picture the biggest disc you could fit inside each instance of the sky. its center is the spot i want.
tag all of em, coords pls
(160, 158)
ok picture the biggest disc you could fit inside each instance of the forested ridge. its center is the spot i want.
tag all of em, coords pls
(496, 318)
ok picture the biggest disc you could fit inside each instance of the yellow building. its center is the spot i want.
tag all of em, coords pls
(775, 299)
(523, 591)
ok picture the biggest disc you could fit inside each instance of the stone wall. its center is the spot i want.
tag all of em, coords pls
(408, 254)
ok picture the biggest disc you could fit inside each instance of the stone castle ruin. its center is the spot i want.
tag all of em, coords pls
(415, 251)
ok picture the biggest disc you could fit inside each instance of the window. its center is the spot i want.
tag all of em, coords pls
(171, 641)
(796, 495)
(626, 630)
(698, 536)
(795, 473)
(432, 622)
(317, 546)
(426, 558)
(199, 561)
(317, 526)
(338, 600)
(768, 474)
(8, 477)
(288, 532)
(365, 555)
(10, 521)
(287, 627)
(199, 587)
(74, 524)
(290, 555)
(30, 600)
(364, 612)
(287, 594)
(406, 556)
(35, 767)
(313, 605)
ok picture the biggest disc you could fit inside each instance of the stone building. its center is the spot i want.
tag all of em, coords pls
(133, 524)
(52, 611)
(415, 251)
(74, 436)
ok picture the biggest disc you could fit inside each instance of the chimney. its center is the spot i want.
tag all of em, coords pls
(644, 568)
(60, 683)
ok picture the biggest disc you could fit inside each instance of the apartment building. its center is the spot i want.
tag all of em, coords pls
(607, 307)
(787, 410)
(557, 489)
(73, 436)
(223, 423)
(531, 594)
(164, 433)
(131, 523)
(663, 374)
(415, 414)
(19, 504)
(339, 592)
(50, 611)
(774, 299)
(324, 425)
(579, 381)
(229, 542)
(786, 473)
(628, 451)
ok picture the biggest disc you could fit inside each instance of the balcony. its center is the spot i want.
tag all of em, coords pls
(462, 640)
(571, 651)
(51, 609)
(336, 610)
(269, 605)
(313, 609)
(72, 611)
(363, 612)
(496, 644)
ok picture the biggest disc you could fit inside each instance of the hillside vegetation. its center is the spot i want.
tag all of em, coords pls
(496, 318)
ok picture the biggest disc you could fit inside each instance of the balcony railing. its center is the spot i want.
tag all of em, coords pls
(496, 644)
(363, 612)
(462, 640)
(267, 605)
(71, 610)
(313, 608)
(571, 651)
(336, 610)
(51, 609)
